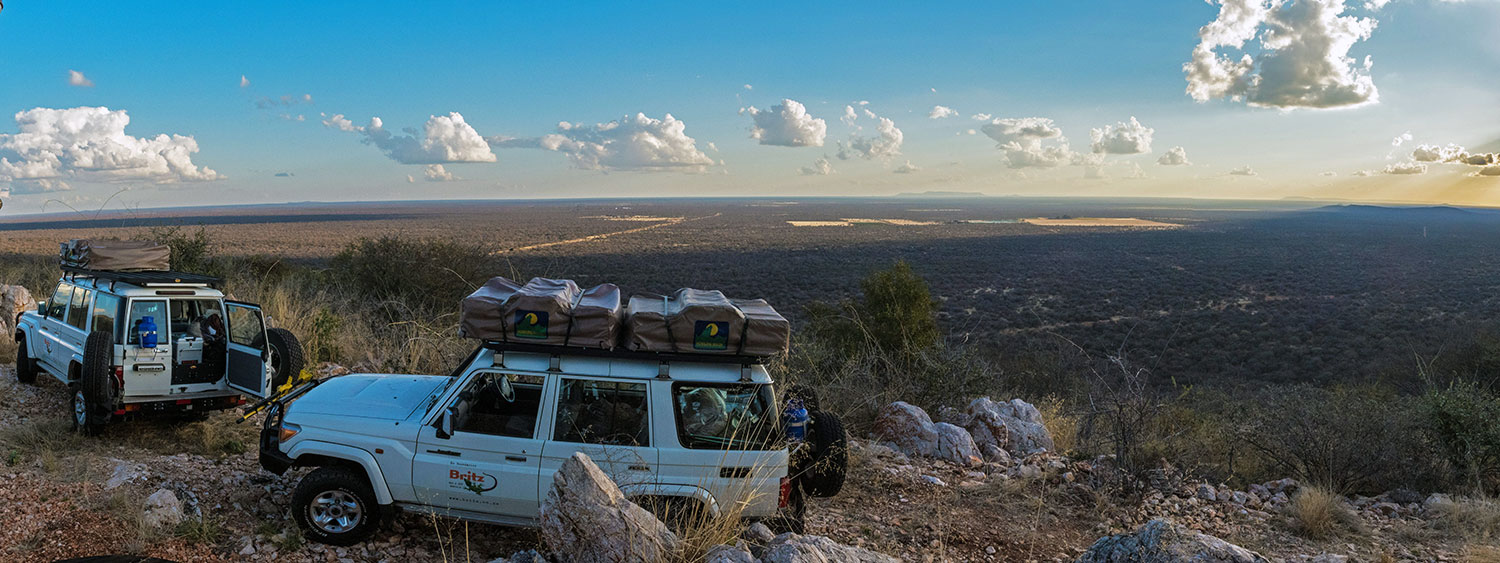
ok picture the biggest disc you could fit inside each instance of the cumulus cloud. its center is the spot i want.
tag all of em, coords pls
(90, 144)
(1175, 156)
(885, 144)
(633, 143)
(1122, 138)
(436, 173)
(1488, 171)
(1405, 168)
(787, 124)
(849, 116)
(981, 117)
(1022, 140)
(244, 82)
(444, 138)
(1363, 173)
(1303, 59)
(749, 87)
(1434, 153)
(907, 168)
(1402, 138)
(819, 167)
(78, 79)
(1328, 174)
(1242, 171)
(939, 112)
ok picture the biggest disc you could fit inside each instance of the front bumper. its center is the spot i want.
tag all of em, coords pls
(271, 457)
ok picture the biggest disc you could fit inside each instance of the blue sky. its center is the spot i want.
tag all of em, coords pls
(512, 72)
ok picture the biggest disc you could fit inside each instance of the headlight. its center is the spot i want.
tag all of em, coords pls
(286, 431)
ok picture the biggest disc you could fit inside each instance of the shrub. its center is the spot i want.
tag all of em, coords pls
(191, 251)
(1463, 420)
(1473, 519)
(429, 275)
(1318, 514)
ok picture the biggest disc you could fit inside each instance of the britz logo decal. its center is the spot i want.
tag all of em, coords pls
(531, 324)
(711, 335)
(476, 483)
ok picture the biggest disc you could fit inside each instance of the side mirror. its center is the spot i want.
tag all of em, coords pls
(445, 423)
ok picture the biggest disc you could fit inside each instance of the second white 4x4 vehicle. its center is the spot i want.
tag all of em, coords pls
(130, 343)
(690, 432)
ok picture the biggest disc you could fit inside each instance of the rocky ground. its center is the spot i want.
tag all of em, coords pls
(192, 491)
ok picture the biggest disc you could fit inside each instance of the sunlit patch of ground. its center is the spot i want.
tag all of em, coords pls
(642, 218)
(1100, 222)
(852, 222)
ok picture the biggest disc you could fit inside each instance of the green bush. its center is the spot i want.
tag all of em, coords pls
(1466, 421)
(420, 274)
(192, 251)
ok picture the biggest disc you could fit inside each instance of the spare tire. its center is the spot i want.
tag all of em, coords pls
(806, 394)
(94, 396)
(823, 474)
(286, 356)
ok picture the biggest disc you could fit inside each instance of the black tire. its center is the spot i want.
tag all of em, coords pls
(823, 474)
(94, 395)
(793, 518)
(808, 395)
(286, 356)
(327, 496)
(25, 366)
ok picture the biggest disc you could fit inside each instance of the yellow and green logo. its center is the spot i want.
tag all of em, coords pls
(531, 324)
(711, 335)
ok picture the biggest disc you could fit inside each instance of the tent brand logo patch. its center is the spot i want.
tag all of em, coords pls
(531, 324)
(477, 483)
(711, 335)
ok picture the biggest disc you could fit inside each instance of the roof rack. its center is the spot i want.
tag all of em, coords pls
(664, 358)
(150, 278)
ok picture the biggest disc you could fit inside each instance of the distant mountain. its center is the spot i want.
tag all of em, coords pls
(940, 194)
(1398, 211)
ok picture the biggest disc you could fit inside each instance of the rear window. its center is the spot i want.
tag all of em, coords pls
(139, 310)
(602, 412)
(725, 417)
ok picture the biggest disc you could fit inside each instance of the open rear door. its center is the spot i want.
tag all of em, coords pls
(249, 369)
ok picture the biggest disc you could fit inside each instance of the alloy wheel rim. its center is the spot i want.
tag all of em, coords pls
(335, 512)
(275, 361)
(80, 409)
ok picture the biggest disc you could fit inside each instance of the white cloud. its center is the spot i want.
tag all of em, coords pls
(1303, 60)
(1363, 173)
(849, 116)
(1022, 140)
(1488, 171)
(633, 143)
(907, 168)
(749, 87)
(1175, 156)
(436, 173)
(1122, 138)
(1242, 171)
(1402, 138)
(885, 144)
(410, 179)
(787, 125)
(78, 79)
(939, 112)
(981, 117)
(1434, 153)
(444, 138)
(819, 167)
(1405, 168)
(244, 82)
(1479, 159)
(1328, 174)
(90, 144)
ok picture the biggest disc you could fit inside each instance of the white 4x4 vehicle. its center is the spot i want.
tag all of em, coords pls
(679, 431)
(209, 351)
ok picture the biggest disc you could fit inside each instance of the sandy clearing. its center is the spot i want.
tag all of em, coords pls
(1099, 222)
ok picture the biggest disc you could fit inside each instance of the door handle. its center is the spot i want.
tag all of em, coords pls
(640, 468)
(445, 452)
(515, 458)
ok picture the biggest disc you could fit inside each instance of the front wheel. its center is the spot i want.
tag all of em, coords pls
(25, 366)
(336, 506)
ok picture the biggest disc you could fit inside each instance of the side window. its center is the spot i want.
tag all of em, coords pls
(602, 412)
(489, 411)
(725, 416)
(139, 310)
(107, 313)
(246, 327)
(78, 310)
(58, 304)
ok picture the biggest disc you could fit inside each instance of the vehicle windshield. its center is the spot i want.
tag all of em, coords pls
(725, 416)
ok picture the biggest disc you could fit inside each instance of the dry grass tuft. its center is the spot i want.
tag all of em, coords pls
(1062, 425)
(1472, 519)
(1318, 514)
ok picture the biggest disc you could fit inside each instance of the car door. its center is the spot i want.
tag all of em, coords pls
(53, 329)
(609, 421)
(248, 365)
(491, 460)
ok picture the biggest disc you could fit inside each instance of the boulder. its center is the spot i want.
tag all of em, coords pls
(729, 554)
(795, 548)
(956, 445)
(1206, 492)
(758, 534)
(1160, 541)
(907, 428)
(14, 300)
(586, 518)
(1015, 426)
(162, 510)
(995, 454)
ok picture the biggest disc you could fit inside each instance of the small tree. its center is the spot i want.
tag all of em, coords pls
(1464, 419)
(898, 311)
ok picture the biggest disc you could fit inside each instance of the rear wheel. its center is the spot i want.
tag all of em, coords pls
(336, 506)
(25, 366)
(823, 475)
(94, 395)
(286, 356)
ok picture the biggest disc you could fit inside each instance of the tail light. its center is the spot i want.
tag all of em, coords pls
(119, 372)
(785, 498)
